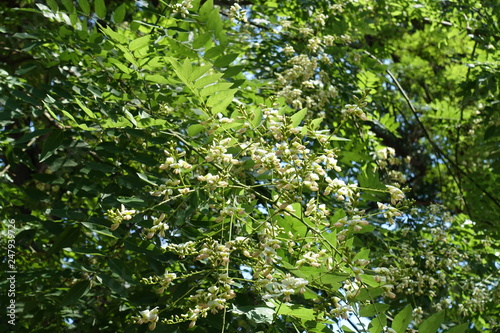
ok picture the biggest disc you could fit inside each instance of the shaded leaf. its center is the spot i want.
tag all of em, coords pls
(76, 292)
(53, 141)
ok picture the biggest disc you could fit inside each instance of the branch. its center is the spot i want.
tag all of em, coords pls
(428, 137)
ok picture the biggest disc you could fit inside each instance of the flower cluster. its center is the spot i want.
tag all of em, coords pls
(236, 12)
(212, 299)
(213, 181)
(340, 310)
(214, 252)
(183, 7)
(166, 281)
(229, 210)
(119, 215)
(285, 287)
(269, 243)
(182, 249)
(175, 164)
(159, 227)
(355, 111)
(355, 223)
(313, 259)
(341, 190)
(389, 211)
(396, 194)
(270, 172)
(218, 152)
(149, 316)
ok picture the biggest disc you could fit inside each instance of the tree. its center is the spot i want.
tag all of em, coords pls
(270, 166)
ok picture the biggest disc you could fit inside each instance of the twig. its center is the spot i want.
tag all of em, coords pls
(428, 137)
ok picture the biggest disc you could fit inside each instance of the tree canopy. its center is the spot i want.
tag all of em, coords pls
(251, 166)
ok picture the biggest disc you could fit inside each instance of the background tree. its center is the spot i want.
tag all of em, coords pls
(241, 167)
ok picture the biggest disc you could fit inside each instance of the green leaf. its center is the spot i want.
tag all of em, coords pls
(25, 97)
(99, 229)
(85, 6)
(53, 141)
(206, 80)
(206, 9)
(215, 89)
(119, 268)
(113, 285)
(114, 35)
(183, 71)
(225, 60)
(296, 311)
(132, 202)
(214, 51)
(232, 71)
(371, 310)
(128, 55)
(85, 109)
(150, 122)
(130, 117)
(195, 129)
(156, 78)
(141, 246)
(201, 40)
(259, 314)
(53, 5)
(145, 178)
(31, 135)
(82, 250)
(66, 238)
(198, 72)
(220, 101)
(139, 43)
(124, 68)
(298, 117)
(363, 254)
(100, 8)
(24, 69)
(402, 319)
(315, 123)
(368, 294)
(369, 280)
(76, 292)
(432, 324)
(458, 329)
(68, 4)
(119, 13)
(378, 324)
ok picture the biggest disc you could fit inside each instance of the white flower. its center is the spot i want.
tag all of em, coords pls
(149, 316)
(396, 194)
(289, 49)
(126, 214)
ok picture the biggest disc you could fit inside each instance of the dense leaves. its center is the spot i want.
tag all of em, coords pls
(311, 166)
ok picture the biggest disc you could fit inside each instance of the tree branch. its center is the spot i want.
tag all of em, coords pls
(438, 150)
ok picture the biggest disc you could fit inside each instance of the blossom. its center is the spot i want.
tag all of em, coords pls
(149, 316)
(396, 194)
(117, 216)
(355, 111)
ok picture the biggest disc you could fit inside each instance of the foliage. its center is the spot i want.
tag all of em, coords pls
(311, 166)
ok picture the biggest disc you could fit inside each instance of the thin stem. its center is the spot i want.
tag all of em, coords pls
(438, 150)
